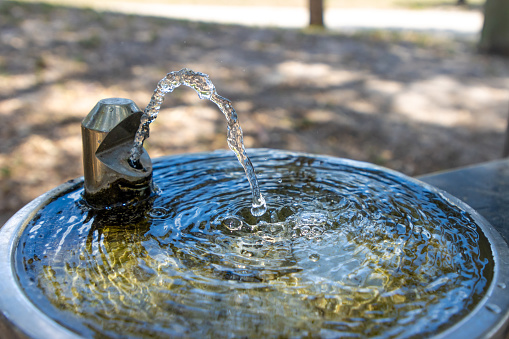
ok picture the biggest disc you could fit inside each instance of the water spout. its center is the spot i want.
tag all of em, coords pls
(108, 132)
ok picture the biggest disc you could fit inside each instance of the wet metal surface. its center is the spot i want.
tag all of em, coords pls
(484, 187)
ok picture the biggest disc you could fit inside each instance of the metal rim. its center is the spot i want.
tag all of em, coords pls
(488, 319)
(14, 304)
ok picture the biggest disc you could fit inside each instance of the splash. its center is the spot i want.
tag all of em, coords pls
(201, 83)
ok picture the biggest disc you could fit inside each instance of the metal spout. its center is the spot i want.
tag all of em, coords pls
(108, 133)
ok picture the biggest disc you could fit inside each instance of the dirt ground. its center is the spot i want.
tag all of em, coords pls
(407, 101)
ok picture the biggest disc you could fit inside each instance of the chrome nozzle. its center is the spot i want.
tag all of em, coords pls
(108, 134)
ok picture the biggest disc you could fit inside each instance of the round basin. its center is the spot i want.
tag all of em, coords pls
(346, 248)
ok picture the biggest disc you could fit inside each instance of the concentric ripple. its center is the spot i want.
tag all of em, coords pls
(345, 249)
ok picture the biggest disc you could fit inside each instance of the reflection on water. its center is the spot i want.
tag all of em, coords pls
(344, 249)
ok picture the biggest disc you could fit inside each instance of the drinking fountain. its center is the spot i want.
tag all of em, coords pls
(171, 247)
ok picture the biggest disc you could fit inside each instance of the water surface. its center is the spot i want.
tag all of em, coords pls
(345, 249)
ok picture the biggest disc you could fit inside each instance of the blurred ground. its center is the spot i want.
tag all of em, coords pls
(413, 102)
(443, 18)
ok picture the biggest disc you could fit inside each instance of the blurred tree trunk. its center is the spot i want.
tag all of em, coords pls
(505, 152)
(316, 13)
(461, 2)
(495, 31)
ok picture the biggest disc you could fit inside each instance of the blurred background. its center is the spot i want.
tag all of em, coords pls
(414, 85)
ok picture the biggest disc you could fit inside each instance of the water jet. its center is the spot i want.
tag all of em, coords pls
(172, 248)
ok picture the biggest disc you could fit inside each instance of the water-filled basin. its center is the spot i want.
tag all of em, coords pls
(345, 249)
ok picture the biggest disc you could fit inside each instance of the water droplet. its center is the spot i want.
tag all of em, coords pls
(232, 223)
(158, 213)
(259, 209)
(493, 308)
(314, 257)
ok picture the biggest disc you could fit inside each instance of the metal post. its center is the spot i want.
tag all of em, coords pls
(108, 133)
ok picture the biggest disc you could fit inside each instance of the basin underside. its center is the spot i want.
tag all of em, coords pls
(346, 248)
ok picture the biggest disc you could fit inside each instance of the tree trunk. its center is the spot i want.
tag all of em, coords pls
(505, 152)
(461, 2)
(316, 13)
(495, 31)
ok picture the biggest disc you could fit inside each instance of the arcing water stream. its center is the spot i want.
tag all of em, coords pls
(201, 83)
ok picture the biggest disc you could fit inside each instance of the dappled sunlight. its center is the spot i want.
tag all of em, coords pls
(319, 75)
(439, 100)
(444, 101)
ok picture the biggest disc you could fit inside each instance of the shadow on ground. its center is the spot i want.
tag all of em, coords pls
(410, 102)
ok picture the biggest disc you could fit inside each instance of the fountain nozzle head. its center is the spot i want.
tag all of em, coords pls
(108, 133)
